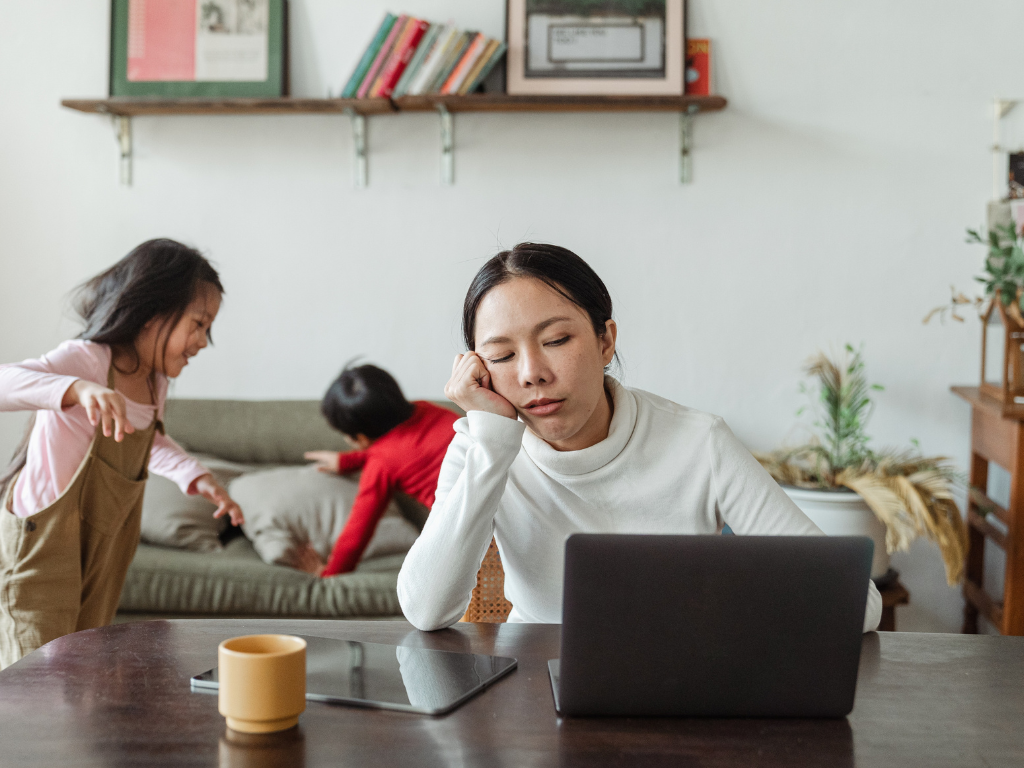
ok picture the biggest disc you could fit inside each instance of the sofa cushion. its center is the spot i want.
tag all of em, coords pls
(255, 432)
(171, 518)
(287, 507)
(236, 582)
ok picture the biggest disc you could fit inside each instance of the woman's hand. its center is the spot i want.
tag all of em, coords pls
(470, 387)
(102, 406)
(214, 492)
(308, 559)
(325, 461)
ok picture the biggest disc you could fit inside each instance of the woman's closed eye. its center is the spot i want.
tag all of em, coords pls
(510, 355)
(504, 359)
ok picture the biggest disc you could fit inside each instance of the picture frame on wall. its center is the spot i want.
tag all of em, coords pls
(596, 47)
(199, 48)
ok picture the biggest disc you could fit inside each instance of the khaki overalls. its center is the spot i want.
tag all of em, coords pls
(62, 569)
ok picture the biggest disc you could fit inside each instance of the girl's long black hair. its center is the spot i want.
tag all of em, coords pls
(157, 279)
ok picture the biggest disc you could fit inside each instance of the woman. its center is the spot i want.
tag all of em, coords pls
(552, 446)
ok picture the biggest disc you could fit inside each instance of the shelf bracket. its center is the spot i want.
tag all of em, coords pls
(123, 134)
(447, 146)
(360, 174)
(686, 144)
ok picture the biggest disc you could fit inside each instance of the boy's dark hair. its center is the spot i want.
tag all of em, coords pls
(365, 400)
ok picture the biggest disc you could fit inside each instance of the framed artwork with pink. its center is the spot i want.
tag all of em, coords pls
(596, 47)
(199, 48)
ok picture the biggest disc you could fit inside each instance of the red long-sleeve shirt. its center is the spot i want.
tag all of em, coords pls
(408, 459)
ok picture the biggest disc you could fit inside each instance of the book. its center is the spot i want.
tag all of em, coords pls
(399, 42)
(465, 64)
(359, 73)
(452, 58)
(404, 50)
(382, 55)
(422, 51)
(698, 67)
(428, 70)
(473, 76)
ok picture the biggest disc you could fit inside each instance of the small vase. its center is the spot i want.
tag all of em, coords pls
(844, 513)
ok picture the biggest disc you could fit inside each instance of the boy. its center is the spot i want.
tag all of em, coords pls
(400, 448)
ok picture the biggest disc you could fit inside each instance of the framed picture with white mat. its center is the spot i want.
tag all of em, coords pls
(596, 47)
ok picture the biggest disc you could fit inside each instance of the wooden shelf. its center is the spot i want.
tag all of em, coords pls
(135, 107)
(123, 109)
(499, 102)
(484, 102)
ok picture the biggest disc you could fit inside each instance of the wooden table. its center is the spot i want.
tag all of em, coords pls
(119, 696)
(994, 438)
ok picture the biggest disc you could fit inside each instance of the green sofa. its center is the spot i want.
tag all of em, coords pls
(164, 582)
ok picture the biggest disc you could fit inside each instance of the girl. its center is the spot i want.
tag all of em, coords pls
(71, 501)
(552, 446)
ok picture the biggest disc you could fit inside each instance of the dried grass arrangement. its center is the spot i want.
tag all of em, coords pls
(912, 495)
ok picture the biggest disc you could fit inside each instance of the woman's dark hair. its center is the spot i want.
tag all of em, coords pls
(559, 268)
(365, 400)
(157, 279)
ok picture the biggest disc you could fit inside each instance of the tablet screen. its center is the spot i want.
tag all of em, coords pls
(389, 676)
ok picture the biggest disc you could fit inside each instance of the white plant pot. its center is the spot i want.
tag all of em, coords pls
(844, 513)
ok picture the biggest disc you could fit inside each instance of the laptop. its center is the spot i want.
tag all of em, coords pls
(711, 626)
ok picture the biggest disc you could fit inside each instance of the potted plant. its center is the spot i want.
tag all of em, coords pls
(1003, 276)
(846, 488)
(1000, 310)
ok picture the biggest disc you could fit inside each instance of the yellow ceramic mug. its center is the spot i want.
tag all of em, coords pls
(262, 682)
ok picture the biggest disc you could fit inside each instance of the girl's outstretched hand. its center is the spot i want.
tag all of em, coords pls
(325, 461)
(102, 406)
(470, 387)
(214, 492)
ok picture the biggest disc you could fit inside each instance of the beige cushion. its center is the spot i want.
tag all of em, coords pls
(171, 518)
(286, 507)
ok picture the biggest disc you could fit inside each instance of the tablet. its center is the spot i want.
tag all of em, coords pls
(389, 676)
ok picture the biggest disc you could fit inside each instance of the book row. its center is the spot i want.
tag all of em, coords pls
(410, 57)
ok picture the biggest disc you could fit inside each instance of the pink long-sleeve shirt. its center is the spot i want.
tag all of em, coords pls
(61, 436)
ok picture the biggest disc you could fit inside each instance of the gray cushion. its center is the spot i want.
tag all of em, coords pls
(266, 432)
(255, 432)
(171, 518)
(236, 582)
(287, 507)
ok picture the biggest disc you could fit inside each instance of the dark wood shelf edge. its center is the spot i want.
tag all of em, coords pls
(130, 107)
(486, 102)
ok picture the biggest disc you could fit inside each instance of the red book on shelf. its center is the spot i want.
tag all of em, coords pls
(400, 60)
(698, 67)
(389, 43)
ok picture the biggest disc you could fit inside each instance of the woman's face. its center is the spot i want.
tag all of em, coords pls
(544, 357)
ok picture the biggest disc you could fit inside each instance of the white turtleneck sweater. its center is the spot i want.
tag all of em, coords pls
(663, 469)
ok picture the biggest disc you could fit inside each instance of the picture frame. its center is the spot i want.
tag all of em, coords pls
(596, 47)
(199, 48)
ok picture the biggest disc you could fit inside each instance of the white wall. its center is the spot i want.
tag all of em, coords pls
(829, 205)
